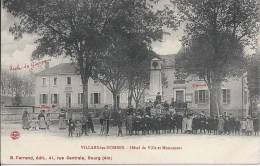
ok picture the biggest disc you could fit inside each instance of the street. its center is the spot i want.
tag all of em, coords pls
(54, 146)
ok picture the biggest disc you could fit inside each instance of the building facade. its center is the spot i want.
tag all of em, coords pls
(194, 91)
(61, 86)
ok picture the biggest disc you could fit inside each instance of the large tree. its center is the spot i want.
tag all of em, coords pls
(138, 75)
(74, 28)
(215, 36)
(82, 29)
(254, 82)
(130, 45)
(138, 71)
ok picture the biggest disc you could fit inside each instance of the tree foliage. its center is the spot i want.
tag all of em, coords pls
(13, 83)
(85, 30)
(215, 37)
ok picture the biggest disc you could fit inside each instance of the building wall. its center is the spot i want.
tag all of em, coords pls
(193, 83)
(74, 89)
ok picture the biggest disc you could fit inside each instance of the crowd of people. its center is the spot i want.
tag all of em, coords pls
(161, 121)
(165, 120)
(160, 118)
(41, 121)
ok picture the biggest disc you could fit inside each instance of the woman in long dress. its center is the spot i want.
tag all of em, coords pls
(184, 123)
(62, 120)
(25, 119)
(48, 120)
(189, 124)
(249, 126)
(42, 121)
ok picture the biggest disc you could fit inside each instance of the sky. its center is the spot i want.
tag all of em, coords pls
(18, 52)
(14, 52)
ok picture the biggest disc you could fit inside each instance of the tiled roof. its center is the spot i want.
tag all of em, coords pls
(69, 68)
(63, 68)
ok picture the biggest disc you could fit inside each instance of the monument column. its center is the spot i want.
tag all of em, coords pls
(155, 78)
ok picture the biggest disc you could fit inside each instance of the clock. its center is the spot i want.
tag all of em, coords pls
(155, 64)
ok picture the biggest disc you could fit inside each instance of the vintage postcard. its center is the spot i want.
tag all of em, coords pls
(130, 82)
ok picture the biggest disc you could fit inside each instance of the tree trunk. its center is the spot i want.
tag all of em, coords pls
(114, 101)
(215, 99)
(130, 96)
(85, 97)
(136, 103)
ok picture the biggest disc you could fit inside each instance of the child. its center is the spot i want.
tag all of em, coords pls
(71, 127)
(33, 123)
(78, 126)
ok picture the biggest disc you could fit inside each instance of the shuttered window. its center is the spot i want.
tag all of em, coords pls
(54, 98)
(55, 81)
(68, 80)
(80, 98)
(201, 96)
(95, 98)
(43, 99)
(226, 96)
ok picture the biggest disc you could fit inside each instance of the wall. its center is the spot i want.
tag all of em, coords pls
(234, 84)
(76, 87)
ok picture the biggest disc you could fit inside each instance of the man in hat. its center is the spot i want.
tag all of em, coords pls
(106, 114)
(119, 122)
(232, 123)
(84, 128)
(203, 120)
(237, 126)
(195, 124)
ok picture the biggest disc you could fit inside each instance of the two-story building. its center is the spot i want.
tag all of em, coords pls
(194, 91)
(61, 86)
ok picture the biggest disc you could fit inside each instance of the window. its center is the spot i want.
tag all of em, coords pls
(68, 100)
(80, 98)
(54, 98)
(245, 97)
(68, 80)
(55, 81)
(95, 98)
(201, 96)
(43, 81)
(226, 96)
(43, 99)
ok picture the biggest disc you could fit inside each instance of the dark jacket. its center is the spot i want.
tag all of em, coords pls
(119, 119)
